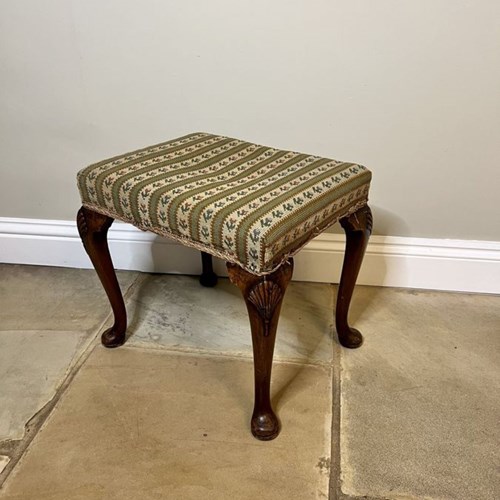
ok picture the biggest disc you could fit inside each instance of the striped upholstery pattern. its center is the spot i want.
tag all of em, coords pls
(251, 205)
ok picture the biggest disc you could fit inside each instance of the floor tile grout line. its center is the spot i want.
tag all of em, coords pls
(200, 351)
(336, 492)
(334, 486)
(220, 354)
(17, 448)
(36, 422)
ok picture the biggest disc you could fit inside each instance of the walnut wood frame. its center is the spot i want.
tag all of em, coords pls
(263, 296)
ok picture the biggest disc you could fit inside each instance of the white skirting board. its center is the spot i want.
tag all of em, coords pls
(438, 264)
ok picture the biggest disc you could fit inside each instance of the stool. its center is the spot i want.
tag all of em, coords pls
(252, 205)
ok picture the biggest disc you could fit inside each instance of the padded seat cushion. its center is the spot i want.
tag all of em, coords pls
(251, 205)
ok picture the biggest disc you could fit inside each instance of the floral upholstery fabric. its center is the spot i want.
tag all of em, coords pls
(249, 204)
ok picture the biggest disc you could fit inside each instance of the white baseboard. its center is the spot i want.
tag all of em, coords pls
(439, 264)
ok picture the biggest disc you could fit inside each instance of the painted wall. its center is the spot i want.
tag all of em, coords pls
(409, 88)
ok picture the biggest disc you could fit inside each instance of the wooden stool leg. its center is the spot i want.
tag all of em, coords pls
(263, 296)
(93, 228)
(208, 277)
(358, 228)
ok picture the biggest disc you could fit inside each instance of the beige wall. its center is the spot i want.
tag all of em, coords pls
(409, 88)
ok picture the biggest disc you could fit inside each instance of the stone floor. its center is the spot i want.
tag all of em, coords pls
(412, 414)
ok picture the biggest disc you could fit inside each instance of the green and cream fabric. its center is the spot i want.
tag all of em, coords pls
(249, 204)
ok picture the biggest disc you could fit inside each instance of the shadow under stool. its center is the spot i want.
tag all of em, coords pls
(251, 205)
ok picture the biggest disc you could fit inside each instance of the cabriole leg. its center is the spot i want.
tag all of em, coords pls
(93, 228)
(357, 227)
(208, 277)
(263, 297)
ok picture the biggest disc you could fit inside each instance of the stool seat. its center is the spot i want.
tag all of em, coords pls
(251, 205)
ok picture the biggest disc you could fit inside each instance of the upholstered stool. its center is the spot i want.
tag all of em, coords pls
(252, 205)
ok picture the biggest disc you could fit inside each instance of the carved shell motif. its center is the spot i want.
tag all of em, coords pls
(265, 297)
(361, 220)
